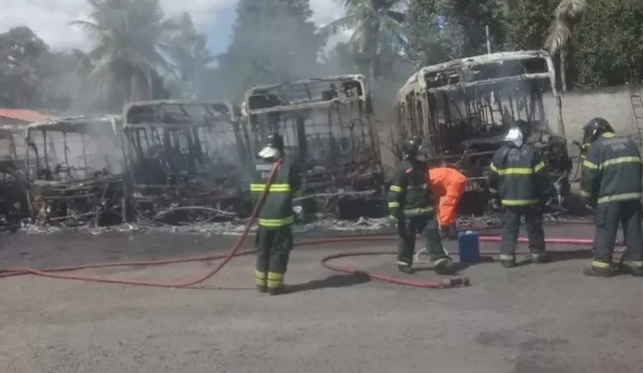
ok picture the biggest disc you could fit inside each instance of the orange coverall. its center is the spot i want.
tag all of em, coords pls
(448, 185)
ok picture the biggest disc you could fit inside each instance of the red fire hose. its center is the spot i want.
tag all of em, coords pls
(452, 282)
(234, 251)
(179, 284)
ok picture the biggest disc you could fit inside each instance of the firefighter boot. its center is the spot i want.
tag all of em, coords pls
(278, 290)
(628, 267)
(508, 261)
(260, 281)
(599, 269)
(539, 258)
(405, 267)
(445, 267)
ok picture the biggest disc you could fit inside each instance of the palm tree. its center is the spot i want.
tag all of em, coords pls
(377, 26)
(559, 40)
(128, 47)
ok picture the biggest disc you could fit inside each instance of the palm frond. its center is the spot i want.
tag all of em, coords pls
(395, 15)
(558, 37)
(570, 9)
(347, 22)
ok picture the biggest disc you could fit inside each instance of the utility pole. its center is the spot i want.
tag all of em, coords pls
(488, 40)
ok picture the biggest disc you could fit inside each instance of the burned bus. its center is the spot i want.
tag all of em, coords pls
(13, 187)
(463, 109)
(184, 161)
(74, 169)
(328, 129)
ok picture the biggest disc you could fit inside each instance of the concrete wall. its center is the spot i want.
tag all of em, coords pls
(612, 103)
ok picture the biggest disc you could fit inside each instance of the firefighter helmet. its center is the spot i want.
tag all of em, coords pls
(594, 129)
(412, 147)
(274, 147)
(275, 141)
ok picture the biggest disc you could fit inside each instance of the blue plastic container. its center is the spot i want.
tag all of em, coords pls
(469, 247)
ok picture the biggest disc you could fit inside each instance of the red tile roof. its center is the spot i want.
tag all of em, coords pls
(23, 115)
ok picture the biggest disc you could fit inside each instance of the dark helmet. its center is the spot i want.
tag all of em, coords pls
(275, 141)
(412, 147)
(595, 128)
(524, 127)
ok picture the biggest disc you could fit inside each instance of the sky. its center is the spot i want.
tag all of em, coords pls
(49, 19)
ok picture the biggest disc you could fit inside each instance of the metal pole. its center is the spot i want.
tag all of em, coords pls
(488, 40)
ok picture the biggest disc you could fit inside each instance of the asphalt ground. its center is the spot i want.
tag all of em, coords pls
(534, 318)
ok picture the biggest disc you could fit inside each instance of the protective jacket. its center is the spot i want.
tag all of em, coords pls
(277, 209)
(448, 186)
(517, 176)
(612, 170)
(410, 194)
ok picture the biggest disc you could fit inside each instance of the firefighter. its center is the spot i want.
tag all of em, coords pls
(411, 205)
(448, 185)
(274, 237)
(518, 181)
(611, 184)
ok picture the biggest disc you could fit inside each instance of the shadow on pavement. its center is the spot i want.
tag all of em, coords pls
(333, 281)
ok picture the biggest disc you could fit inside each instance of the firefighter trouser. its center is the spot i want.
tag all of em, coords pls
(273, 250)
(608, 217)
(407, 228)
(534, 218)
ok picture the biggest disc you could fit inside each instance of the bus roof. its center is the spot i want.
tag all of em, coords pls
(418, 79)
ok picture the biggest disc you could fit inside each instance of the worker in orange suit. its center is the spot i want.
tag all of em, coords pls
(448, 185)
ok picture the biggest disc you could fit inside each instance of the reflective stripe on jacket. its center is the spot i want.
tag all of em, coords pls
(277, 209)
(409, 194)
(517, 176)
(612, 171)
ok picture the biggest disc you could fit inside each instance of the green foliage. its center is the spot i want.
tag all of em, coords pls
(377, 33)
(31, 76)
(609, 43)
(440, 30)
(428, 42)
(20, 51)
(188, 51)
(527, 24)
(128, 49)
(272, 41)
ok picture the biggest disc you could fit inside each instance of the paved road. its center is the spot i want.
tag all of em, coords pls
(531, 319)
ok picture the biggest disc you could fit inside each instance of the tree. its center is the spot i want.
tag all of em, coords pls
(608, 43)
(377, 31)
(129, 49)
(559, 40)
(20, 50)
(272, 41)
(440, 30)
(428, 41)
(527, 23)
(188, 50)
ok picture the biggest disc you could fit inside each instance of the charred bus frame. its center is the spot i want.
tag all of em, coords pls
(464, 108)
(14, 204)
(328, 128)
(70, 184)
(184, 161)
